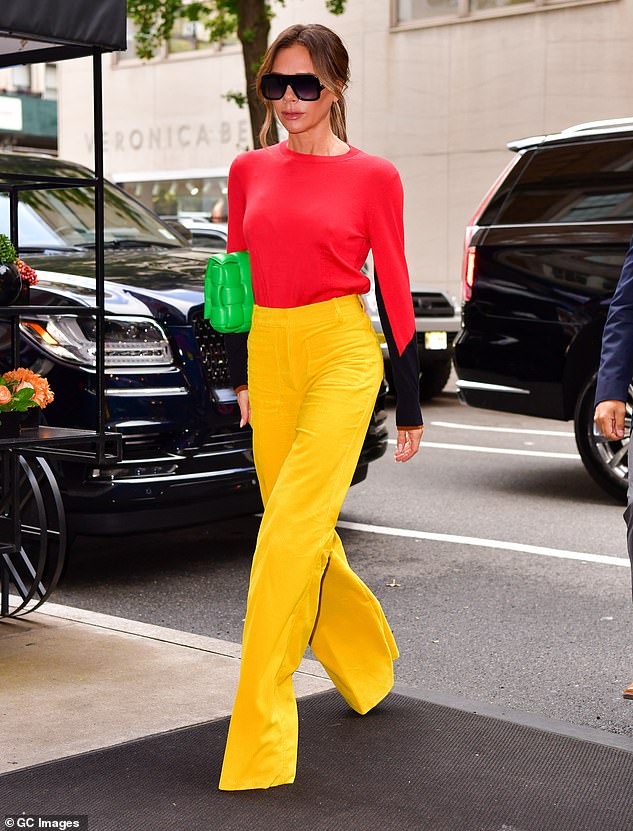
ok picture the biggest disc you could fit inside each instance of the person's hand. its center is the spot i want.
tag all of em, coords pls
(609, 418)
(245, 407)
(408, 443)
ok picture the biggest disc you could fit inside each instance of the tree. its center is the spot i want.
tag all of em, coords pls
(249, 19)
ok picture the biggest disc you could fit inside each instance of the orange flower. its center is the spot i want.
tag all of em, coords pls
(43, 394)
(5, 395)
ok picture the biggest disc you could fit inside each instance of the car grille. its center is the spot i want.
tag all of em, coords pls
(432, 304)
(212, 352)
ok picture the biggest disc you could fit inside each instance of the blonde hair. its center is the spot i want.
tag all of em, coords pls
(331, 63)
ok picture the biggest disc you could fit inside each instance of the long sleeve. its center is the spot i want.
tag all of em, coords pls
(395, 305)
(235, 342)
(616, 360)
(405, 369)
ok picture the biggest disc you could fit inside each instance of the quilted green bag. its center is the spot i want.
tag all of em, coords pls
(228, 292)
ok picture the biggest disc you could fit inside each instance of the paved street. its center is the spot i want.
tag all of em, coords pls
(501, 566)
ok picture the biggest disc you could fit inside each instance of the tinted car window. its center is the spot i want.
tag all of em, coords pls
(589, 182)
(593, 273)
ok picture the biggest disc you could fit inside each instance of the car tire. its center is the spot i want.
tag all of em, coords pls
(433, 380)
(605, 461)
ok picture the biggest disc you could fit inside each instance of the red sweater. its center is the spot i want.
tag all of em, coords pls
(308, 223)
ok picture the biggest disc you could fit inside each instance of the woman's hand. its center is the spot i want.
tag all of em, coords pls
(245, 407)
(408, 443)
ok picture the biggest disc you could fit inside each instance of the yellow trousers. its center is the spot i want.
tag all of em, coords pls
(314, 373)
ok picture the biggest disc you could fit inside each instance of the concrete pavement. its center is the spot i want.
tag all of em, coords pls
(75, 681)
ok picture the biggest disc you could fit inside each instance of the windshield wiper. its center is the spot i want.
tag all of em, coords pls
(51, 249)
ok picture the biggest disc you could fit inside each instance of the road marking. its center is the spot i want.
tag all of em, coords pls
(483, 543)
(473, 448)
(525, 432)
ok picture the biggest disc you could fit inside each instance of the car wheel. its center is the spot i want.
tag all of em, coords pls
(433, 380)
(606, 461)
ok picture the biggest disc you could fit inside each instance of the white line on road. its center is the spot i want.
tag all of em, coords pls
(483, 543)
(473, 448)
(522, 431)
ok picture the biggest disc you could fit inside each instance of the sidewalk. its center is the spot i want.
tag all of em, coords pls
(123, 723)
(75, 680)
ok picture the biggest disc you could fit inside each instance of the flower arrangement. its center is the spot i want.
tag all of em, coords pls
(21, 389)
(26, 272)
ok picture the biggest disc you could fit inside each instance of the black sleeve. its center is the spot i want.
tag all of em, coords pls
(405, 369)
(237, 356)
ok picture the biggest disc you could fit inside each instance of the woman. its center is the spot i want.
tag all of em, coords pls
(307, 376)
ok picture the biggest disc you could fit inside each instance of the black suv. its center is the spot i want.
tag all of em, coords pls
(542, 257)
(185, 458)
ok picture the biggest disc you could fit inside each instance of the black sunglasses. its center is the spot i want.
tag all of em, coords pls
(305, 86)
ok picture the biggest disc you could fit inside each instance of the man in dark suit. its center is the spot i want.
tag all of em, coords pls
(614, 377)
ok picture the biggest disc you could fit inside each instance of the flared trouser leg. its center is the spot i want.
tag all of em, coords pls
(306, 440)
(348, 652)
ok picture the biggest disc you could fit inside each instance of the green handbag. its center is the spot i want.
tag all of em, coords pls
(228, 292)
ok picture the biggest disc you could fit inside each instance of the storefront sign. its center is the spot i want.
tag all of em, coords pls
(174, 136)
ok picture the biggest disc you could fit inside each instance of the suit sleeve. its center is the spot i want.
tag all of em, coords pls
(616, 359)
(235, 343)
(393, 296)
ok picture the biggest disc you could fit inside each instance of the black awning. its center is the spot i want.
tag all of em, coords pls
(52, 30)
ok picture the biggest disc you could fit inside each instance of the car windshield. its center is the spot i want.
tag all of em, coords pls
(54, 219)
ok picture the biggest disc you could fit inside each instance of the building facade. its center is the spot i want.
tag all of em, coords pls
(28, 107)
(438, 87)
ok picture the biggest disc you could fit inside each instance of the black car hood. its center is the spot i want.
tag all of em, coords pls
(166, 283)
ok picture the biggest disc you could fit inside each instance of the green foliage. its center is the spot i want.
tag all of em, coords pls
(7, 251)
(20, 401)
(236, 97)
(155, 19)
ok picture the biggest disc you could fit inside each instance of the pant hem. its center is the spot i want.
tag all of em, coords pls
(364, 709)
(252, 785)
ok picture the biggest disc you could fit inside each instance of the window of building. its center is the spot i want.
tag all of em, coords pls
(202, 197)
(189, 35)
(426, 11)
(410, 10)
(476, 5)
(50, 82)
(21, 78)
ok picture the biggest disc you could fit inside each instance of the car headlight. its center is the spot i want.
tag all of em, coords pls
(129, 341)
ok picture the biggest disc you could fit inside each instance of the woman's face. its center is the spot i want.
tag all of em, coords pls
(299, 116)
